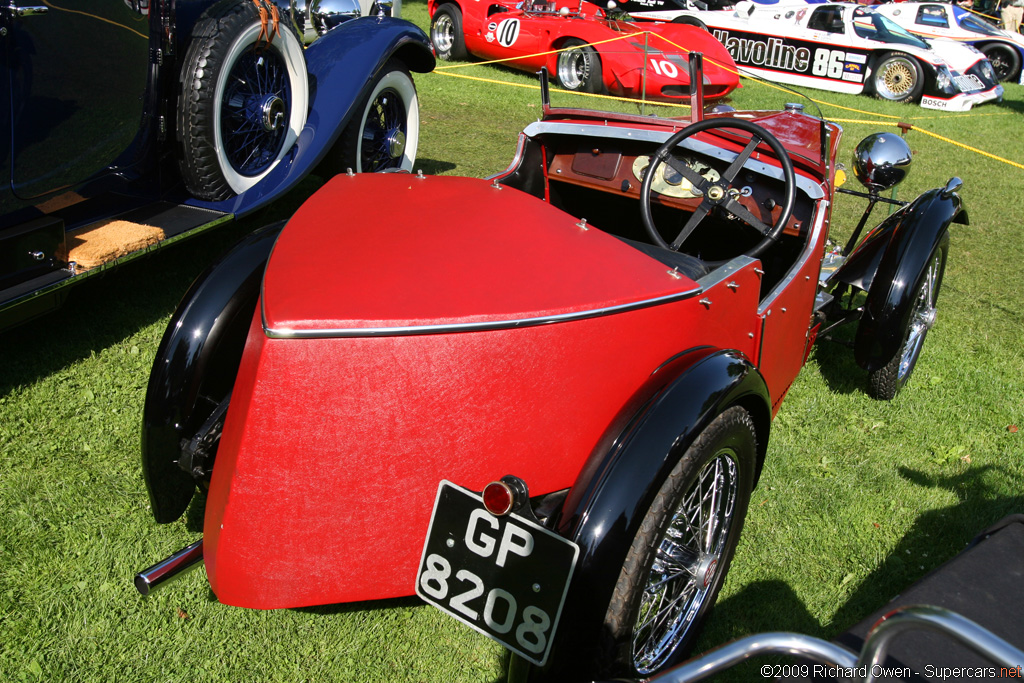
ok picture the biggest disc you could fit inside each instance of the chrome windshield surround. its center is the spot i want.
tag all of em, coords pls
(657, 137)
(486, 326)
(821, 210)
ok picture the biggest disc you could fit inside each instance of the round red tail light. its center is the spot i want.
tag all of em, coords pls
(498, 498)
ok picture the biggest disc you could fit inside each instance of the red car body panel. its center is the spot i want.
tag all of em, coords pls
(654, 66)
(356, 393)
(466, 277)
(341, 421)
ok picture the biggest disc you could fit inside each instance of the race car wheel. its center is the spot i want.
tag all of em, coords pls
(718, 192)
(446, 33)
(898, 78)
(886, 381)
(690, 21)
(579, 67)
(679, 558)
(242, 101)
(385, 130)
(1005, 60)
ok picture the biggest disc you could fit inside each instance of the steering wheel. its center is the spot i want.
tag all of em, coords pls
(721, 192)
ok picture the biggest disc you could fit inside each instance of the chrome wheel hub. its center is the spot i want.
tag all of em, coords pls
(272, 113)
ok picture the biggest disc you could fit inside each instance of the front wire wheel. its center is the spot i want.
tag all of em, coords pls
(887, 381)
(385, 129)
(680, 556)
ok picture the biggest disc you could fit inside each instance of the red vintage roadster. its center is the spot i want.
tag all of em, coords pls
(612, 322)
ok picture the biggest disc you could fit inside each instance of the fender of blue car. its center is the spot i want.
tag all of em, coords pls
(889, 264)
(199, 354)
(341, 67)
(607, 503)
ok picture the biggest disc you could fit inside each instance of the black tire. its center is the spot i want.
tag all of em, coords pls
(384, 131)
(690, 21)
(885, 382)
(446, 33)
(722, 459)
(242, 101)
(578, 67)
(898, 77)
(1005, 60)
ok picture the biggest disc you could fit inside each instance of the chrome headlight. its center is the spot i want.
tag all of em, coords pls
(881, 161)
(943, 79)
(313, 18)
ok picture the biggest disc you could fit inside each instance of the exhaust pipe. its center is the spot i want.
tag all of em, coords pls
(169, 569)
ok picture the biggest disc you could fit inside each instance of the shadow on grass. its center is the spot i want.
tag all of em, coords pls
(935, 538)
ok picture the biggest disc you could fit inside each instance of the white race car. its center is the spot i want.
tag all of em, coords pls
(841, 47)
(941, 20)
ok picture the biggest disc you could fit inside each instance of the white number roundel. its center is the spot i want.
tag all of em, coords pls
(508, 31)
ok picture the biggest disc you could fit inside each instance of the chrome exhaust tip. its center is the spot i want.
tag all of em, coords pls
(165, 571)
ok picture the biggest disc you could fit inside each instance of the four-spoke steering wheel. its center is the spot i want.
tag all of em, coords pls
(721, 192)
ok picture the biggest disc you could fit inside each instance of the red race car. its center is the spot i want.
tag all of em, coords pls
(625, 59)
(612, 322)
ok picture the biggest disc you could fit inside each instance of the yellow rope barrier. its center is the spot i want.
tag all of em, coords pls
(894, 120)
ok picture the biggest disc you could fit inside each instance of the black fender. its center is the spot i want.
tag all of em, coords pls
(198, 355)
(341, 66)
(889, 264)
(607, 503)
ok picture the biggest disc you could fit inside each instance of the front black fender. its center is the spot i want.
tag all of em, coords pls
(608, 501)
(198, 357)
(899, 250)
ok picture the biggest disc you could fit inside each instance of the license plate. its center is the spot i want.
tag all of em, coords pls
(506, 576)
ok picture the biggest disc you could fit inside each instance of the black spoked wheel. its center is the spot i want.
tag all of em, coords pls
(898, 78)
(887, 381)
(579, 67)
(679, 558)
(385, 129)
(1005, 60)
(446, 33)
(242, 103)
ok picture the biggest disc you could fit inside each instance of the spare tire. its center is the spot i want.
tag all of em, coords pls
(243, 98)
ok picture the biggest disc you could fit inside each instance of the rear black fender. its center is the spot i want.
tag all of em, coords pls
(196, 363)
(607, 503)
(889, 264)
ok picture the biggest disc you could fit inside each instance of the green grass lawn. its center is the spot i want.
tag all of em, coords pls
(858, 498)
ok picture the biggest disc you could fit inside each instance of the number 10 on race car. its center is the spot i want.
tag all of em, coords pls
(504, 576)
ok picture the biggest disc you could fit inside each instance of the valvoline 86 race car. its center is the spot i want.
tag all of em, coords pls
(597, 339)
(610, 54)
(944, 20)
(842, 47)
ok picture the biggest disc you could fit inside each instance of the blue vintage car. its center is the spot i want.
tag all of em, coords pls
(128, 124)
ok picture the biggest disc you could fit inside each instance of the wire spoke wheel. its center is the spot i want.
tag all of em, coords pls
(384, 135)
(685, 564)
(254, 111)
(922, 317)
(680, 554)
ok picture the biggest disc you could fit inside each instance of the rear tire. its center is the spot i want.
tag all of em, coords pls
(690, 21)
(578, 67)
(885, 382)
(446, 34)
(898, 78)
(1005, 61)
(681, 554)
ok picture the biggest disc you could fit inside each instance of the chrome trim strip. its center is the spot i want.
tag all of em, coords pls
(719, 275)
(812, 239)
(404, 331)
(807, 186)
